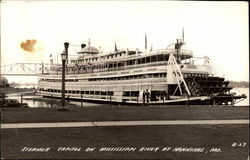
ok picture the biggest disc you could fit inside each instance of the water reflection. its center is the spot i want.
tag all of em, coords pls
(37, 101)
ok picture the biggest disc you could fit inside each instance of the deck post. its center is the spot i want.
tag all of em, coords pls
(110, 98)
(232, 102)
(81, 99)
(21, 98)
(213, 101)
(51, 104)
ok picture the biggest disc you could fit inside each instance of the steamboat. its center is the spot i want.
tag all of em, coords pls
(169, 75)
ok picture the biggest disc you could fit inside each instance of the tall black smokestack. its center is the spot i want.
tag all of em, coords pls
(83, 45)
(66, 46)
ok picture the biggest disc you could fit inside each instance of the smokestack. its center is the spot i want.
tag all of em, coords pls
(66, 46)
(83, 45)
(116, 48)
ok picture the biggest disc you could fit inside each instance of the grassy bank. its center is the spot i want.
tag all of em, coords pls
(208, 136)
(122, 113)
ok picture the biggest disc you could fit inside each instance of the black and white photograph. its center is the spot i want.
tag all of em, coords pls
(124, 80)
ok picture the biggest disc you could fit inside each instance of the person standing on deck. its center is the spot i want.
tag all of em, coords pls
(147, 96)
(143, 97)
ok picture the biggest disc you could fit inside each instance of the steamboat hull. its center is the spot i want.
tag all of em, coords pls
(204, 100)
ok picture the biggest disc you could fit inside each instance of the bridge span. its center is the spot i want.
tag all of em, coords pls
(23, 69)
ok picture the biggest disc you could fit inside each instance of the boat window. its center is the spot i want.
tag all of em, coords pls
(131, 52)
(97, 92)
(103, 93)
(134, 93)
(129, 62)
(143, 60)
(160, 58)
(155, 75)
(147, 60)
(153, 58)
(111, 93)
(126, 93)
(139, 61)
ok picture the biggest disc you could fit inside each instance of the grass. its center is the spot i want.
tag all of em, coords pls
(208, 136)
(122, 113)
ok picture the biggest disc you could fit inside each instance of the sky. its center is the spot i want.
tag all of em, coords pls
(218, 30)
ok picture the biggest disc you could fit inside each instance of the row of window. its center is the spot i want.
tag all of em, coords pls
(142, 76)
(116, 65)
(105, 57)
(131, 77)
(57, 80)
(79, 92)
(104, 93)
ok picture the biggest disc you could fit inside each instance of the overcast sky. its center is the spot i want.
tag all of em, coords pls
(216, 29)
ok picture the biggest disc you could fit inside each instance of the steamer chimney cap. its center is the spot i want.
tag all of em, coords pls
(66, 44)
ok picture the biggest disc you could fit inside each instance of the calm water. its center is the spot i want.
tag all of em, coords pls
(35, 101)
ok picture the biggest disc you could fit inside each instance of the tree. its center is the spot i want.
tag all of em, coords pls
(4, 82)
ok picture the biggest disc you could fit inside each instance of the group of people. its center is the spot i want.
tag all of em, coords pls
(146, 96)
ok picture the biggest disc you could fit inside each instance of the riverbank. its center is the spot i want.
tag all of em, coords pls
(122, 113)
(10, 90)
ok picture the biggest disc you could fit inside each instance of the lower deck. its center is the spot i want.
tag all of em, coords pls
(132, 100)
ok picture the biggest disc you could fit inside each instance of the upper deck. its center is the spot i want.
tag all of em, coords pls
(118, 60)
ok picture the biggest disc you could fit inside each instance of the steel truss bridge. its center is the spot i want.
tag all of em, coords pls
(23, 69)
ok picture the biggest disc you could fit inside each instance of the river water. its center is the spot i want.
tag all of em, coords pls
(36, 101)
